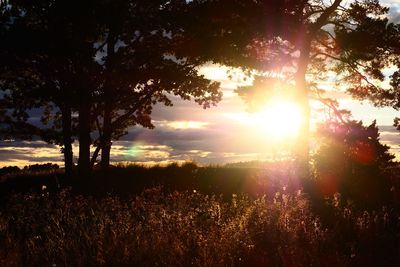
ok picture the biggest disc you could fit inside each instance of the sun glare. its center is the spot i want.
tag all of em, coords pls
(280, 119)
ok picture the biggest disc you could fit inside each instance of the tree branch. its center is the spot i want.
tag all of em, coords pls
(95, 155)
(137, 105)
(352, 66)
(330, 104)
(98, 127)
(321, 21)
(100, 47)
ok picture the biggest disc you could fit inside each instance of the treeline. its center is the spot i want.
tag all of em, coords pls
(9, 170)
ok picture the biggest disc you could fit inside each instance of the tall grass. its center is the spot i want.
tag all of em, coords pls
(189, 228)
(188, 216)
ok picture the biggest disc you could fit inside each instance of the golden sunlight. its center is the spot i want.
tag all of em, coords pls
(280, 119)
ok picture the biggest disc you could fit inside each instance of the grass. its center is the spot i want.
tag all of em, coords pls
(190, 216)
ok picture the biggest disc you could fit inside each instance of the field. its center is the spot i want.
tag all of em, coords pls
(187, 215)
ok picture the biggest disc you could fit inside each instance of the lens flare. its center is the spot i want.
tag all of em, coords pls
(134, 151)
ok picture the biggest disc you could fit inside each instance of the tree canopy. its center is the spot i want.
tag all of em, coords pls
(111, 71)
(303, 43)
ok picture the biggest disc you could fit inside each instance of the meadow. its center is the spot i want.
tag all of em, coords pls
(187, 216)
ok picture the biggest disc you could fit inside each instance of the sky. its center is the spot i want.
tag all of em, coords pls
(222, 134)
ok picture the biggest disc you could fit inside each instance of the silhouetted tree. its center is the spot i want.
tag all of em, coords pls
(46, 50)
(351, 160)
(142, 68)
(302, 41)
(110, 61)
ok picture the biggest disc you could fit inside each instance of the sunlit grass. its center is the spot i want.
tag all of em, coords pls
(185, 215)
(187, 228)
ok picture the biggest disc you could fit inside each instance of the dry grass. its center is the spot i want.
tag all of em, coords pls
(189, 228)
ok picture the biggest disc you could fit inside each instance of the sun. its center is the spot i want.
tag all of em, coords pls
(280, 119)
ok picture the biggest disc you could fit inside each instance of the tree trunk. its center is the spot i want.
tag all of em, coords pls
(84, 139)
(108, 100)
(67, 139)
(105, 154)
(303, 144)
(106, 139)
(303, 147)
(303, 153)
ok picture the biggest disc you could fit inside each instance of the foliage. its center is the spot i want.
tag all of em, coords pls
(355, 40)
(111, 62)
(352, 160)
(295, 46)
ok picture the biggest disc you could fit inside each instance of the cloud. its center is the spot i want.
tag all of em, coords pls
(394, 11)
(166, 145)
(390, 136)
(229, 77)
(183, 125)
(26, 153)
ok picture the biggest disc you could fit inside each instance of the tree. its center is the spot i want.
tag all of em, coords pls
(111, 61)
(142, 69)
(44, 55)
(351, 160)
(300, 41)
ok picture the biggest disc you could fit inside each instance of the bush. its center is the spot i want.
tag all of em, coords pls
(351, 160)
